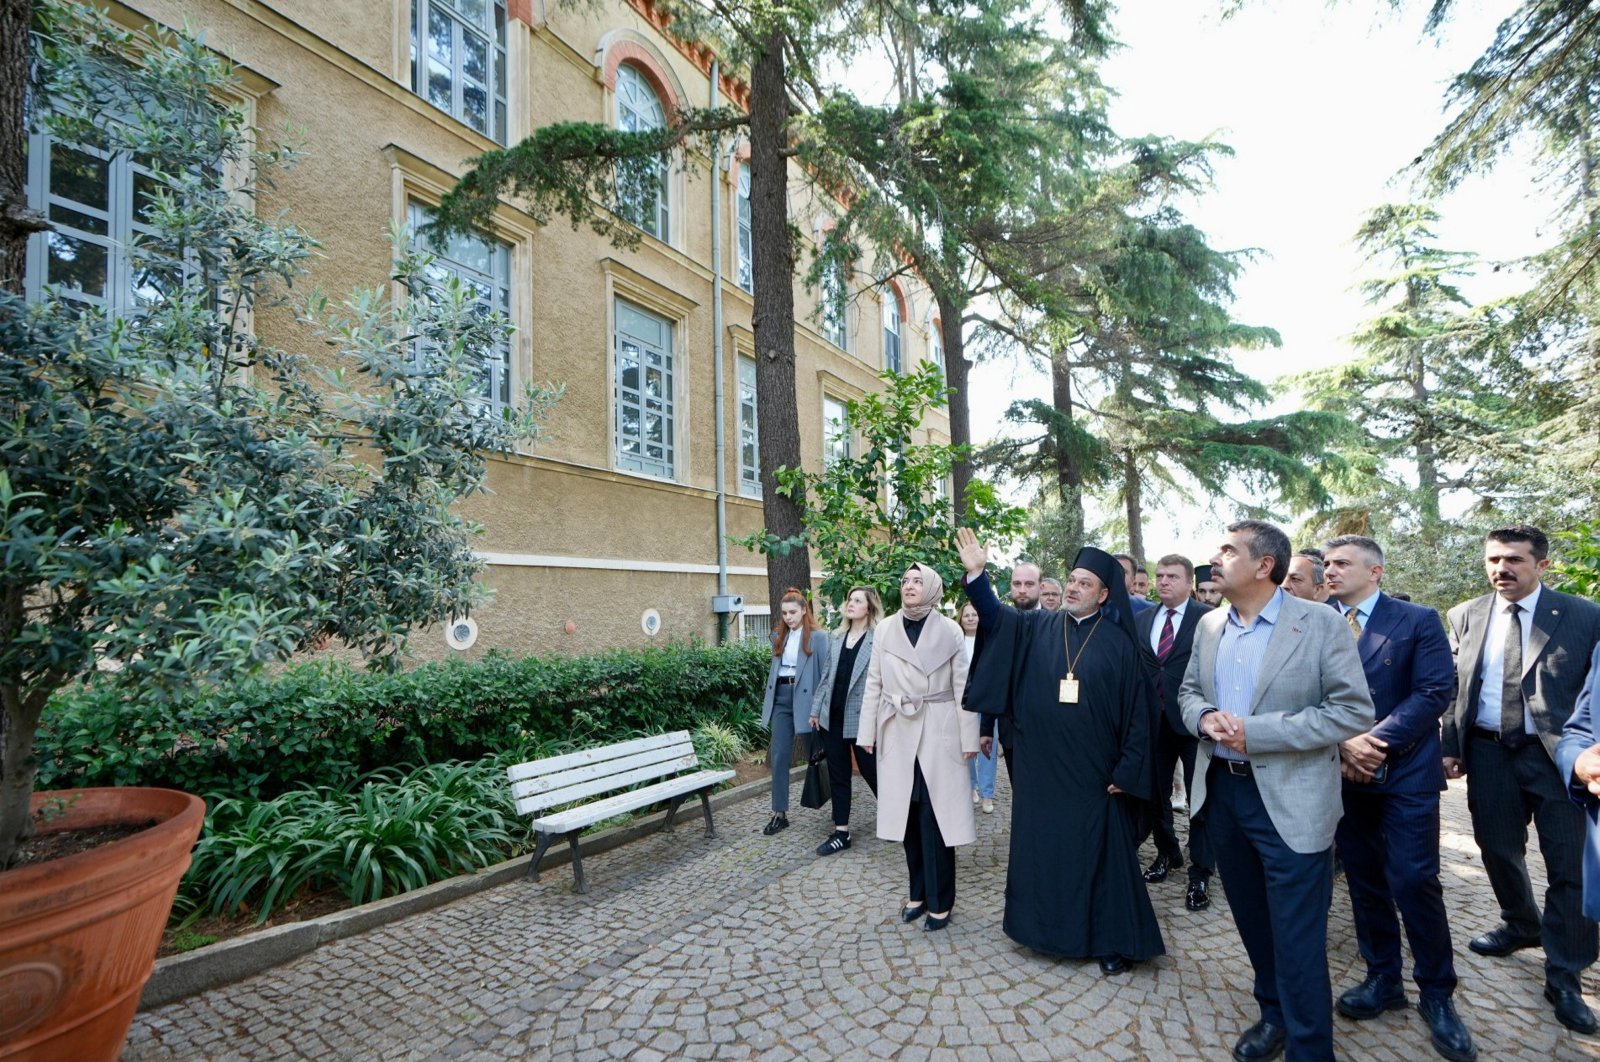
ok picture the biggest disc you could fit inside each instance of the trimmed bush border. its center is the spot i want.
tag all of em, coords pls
(180, 976)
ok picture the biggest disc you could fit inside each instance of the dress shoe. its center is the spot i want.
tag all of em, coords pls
(1500, 942)
(1260, 1042)
(776, 823)
(1450, 1037)
(908, 913)
(1378, 993)
(1571, 1010)
(1158, 870)
(932, 924)
(1111, 965)
(1198, 898)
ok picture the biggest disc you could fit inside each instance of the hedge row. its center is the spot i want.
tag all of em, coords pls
(328, 724)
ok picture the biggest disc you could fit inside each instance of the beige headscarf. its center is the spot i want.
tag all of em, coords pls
(933, 593)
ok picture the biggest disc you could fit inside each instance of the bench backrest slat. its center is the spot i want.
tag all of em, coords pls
(594, 772)
(552, 764)
(568, 794)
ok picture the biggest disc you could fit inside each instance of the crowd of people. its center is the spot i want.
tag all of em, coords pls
(1315, 717)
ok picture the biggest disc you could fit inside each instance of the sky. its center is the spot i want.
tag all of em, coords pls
(1323, 105)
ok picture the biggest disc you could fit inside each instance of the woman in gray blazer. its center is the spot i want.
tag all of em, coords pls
(799, 655)
(836, 708)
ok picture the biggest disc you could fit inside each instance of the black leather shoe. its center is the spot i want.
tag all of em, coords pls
(1571, 1010)
(1260, 1042)
(1158, 870)
(1450, 1037)
(909, 913)
(1111, 965)
(1198, 898)
(1501, 942)
(776, 823)
(1378, 993)
(932, 924)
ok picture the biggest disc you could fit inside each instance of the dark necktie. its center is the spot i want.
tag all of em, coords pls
(1513, 725)
(1164, 647)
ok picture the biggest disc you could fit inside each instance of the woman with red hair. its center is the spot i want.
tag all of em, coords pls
(799, 657)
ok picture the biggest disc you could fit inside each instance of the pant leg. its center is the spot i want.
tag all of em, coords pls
(938, 876)
(838, 752)
(1201, 862)
(1362, 847)
(1411, 838)
(1244, 881)
(1161, 800)
(1570, 939)
(780, 753)
(867, 764)
(981, 771)
(1500, 826)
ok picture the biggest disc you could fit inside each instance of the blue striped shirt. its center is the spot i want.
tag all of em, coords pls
(1239, 655)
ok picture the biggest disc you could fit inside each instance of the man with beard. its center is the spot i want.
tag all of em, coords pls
(1206, 590)
(1080, 704)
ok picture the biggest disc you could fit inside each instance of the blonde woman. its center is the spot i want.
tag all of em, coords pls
(836, 709)
(911, 716)
(799, 653)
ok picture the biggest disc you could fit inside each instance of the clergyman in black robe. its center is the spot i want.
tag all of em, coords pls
(1080, 705)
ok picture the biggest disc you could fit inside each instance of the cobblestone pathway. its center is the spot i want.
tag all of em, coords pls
(750, 947)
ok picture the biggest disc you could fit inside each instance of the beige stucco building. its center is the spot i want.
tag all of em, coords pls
(615, 514)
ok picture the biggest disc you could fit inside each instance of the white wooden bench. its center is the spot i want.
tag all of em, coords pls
(573, 779)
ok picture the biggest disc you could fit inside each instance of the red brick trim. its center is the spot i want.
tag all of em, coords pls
(520, 11)
(629, 52)
(697, 52)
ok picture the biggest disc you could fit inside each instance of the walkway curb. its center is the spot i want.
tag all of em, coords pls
(178, 976)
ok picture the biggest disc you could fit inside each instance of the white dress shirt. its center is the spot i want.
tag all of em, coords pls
(1161, 619)
(1494, 657)
(791, 654)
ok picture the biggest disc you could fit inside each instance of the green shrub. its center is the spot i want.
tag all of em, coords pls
(718, 746)
(330, 725)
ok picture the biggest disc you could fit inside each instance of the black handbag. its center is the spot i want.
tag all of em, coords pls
(818, 790)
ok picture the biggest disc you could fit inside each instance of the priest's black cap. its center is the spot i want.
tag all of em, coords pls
(1202, 574)
(1109, 571)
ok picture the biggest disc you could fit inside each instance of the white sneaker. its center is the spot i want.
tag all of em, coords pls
(988, 807)
(975, 797)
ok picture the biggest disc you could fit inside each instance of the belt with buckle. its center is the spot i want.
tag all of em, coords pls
(1237, 768)
(786, 680)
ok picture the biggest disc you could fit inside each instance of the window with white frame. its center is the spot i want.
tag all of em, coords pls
(458, 60)
(97, 202)
(484, 267)
(645, 392)
(835, 431)
(936, 353)
(755, 624)
(833, 306)
(641, 183)
(749, 445)
(744, 267)
(891, 330)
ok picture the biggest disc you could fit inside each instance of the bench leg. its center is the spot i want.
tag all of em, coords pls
(538, 854)
(705, 805)
(672, 812)
(577, 862)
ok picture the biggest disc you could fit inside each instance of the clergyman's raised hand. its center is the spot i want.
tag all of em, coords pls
(974, 555)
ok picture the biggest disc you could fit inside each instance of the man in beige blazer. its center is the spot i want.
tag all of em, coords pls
(1274, 685)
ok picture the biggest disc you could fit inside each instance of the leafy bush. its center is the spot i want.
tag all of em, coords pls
(330, 725)
(718, 746)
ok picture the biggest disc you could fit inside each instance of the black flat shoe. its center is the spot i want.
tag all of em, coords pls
(1571, 1010)
(1450, 1037)
(909, 913)
(1378, 993)
(1198, 898)
(1261, 1042)
(837, 843)
(1500, 942)
(930, 924)
(1158, 870)
(777, 823)
(1110, 965)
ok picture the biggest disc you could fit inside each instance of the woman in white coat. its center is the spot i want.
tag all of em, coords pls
(911, 715)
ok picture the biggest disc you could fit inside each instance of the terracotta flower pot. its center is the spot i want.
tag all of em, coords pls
(78, 935)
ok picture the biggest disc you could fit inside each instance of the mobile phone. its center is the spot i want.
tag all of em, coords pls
(1381, 775)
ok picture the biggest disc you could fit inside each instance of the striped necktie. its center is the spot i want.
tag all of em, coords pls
(1164, 647)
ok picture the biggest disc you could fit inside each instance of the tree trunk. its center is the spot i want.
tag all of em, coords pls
(957, 371)
(17, 222)
(19, 722)
(1133, 496)
(772, 270)
(1069, 474)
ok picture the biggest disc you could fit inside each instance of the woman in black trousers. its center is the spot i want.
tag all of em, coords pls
(836, 707)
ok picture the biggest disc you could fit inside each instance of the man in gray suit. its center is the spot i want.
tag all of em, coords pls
(1273, 686)
(1522, 654)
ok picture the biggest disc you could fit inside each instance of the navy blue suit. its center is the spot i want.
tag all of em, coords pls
(1389, 836)
(1578, 735)
(1173, 742)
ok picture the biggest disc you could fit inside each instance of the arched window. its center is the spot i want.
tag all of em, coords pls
(641, 183)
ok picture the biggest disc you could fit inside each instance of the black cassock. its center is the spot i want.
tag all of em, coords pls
(1074, 886)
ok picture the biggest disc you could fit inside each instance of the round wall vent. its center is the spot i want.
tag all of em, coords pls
(461, 633)
(650, 622)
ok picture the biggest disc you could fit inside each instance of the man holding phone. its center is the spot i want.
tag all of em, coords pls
(1393, 774)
